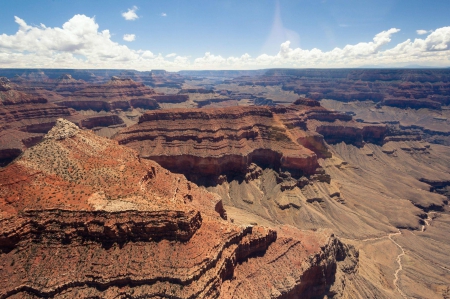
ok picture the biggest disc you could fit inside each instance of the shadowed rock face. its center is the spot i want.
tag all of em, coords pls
(81, 216)
(102, 121)
(411, 103)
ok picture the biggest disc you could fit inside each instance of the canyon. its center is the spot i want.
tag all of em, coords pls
(65, 207)
(281, 183)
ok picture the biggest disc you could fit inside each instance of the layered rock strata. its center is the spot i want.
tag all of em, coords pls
(217, 141)
(24, 119)
(118, 93)
(81, 216)
(228, 140)
(404, 88)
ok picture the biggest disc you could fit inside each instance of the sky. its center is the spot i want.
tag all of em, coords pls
(229, 34)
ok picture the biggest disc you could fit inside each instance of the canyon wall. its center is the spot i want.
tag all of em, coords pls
(82, 216)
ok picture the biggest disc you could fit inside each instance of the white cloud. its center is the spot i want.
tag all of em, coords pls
(78, 43)
(146, 54)
(130, 15)
(129, 37)
(209, 61)
(163, 14)
(421, 32)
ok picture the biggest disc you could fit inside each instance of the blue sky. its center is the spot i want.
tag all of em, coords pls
(180, 34)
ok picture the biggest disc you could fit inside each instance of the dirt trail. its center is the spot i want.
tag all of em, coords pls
(399, 262)
(399, 257)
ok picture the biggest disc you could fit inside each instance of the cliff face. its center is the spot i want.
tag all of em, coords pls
(116, 94)
(226, 140)
(217, 141)
(411, 103)
(404, 88)
(81, 216)
(102, 121)
(171, 98)
(24, 118)
(64, 84)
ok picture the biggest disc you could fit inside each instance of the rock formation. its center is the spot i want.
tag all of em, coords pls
(227, 140)
(164, 79)
(411, 103)
(118, 93)
(171, 98)
(24, 119)
(216, 141)
(64, 85)
(81, 216)
(347, 85)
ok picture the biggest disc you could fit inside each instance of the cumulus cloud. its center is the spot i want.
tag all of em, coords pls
(421, 32)
(130, 15)
(163, 14)
(129, 37)
(78, 43)
(209, 61)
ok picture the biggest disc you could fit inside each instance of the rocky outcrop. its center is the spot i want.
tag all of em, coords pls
(24, 119)
(161, 78)
(348, 85)
(101, 121)
(352, 134)
(93, 105)
(307, 102)
(171, 98)
(81, 216)
(195, 90)
(66, 84)
(216, 141)
(345, 96)
(118, 93)
(148, 104)
(411, 103)
(10, 96)
(212, 142)
(5, 84)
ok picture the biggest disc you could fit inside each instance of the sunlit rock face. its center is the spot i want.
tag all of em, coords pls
(222, 140)
(82, 216)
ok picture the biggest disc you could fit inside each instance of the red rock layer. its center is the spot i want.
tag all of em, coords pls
(65, 84)
(412, 103)
(24, 119)
(83, 217)
(171, 98)
(102, 121)
(115, 94)
(215, 141)
(413, 88)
